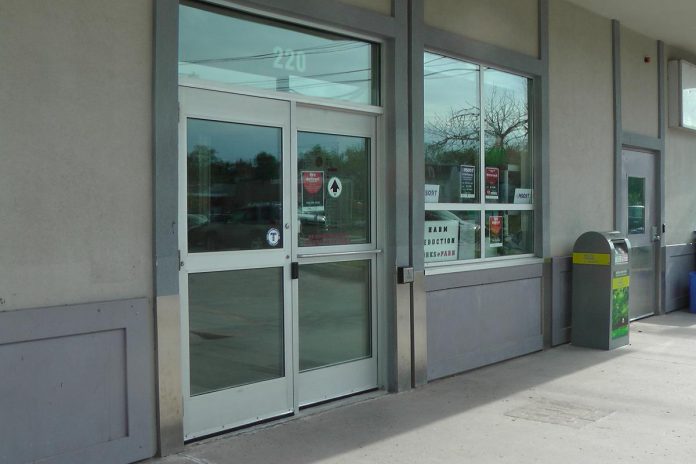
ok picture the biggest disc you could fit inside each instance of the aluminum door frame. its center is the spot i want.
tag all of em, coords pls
(208, 413)
(639, 163)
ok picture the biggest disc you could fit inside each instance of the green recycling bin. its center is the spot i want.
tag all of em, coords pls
(600, 290)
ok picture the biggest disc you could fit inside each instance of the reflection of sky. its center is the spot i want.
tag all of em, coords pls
(241, 51)
(448, 86)
(452, 85)
(507, 83)
(234, 142)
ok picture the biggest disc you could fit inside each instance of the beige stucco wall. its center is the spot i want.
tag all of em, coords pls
(511, 24)
(638, 83)
(379, 6)
(680, 174)
(581, 125)
(75, 161)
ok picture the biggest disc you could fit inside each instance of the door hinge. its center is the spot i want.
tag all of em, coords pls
(295, 270)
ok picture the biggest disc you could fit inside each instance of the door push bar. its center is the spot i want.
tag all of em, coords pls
(339, 253)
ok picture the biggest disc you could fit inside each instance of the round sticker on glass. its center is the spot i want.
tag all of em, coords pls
(273, 237)
(335, 187)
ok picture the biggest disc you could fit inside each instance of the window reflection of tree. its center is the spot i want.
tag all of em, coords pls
(219, 186)
(457, 133)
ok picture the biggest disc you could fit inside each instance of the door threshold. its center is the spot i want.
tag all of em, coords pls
(239, 428)
(305, 411)
(337, 399)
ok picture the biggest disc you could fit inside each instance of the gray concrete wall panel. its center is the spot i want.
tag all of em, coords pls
(581, 141)
(510, 24)
(679, 261)
(76, 164)
(77, 383)
(639, 93)
(473, 326)
(379, 6)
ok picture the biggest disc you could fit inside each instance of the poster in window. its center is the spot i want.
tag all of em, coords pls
(492, 183)
(495, 231)
(441, 241)
(432, 193)
(467, 181)
(312, 191)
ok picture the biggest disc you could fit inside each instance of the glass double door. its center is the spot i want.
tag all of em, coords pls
(278, 273)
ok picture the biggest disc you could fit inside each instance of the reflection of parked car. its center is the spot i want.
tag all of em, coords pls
(196, 220)
(242, 229)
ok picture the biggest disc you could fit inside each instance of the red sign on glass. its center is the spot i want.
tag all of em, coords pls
(312, 190)
(492, 181)
(495, 231)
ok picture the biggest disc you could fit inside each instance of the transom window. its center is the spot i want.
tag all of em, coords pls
(234, 48)
(479, 198)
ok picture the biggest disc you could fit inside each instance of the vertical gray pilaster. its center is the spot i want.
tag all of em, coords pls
(398, 134)
(417, 163)
(541, 117)
(618, 125)
(165, 180)
(661, 134)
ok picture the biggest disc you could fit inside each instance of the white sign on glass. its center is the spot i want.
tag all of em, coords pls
(432, 193)
(523, 196)
(441, 241)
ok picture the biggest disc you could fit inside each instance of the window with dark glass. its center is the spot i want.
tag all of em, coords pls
(479, 198)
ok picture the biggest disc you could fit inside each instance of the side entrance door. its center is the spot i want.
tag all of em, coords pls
(642, 227)
(277, 237)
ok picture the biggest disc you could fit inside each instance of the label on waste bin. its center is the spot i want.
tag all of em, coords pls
(619, 306)
(598, 259)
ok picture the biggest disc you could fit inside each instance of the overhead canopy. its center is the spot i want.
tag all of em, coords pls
(672, 21)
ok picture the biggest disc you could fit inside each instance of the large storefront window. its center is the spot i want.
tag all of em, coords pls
(223, 46)
(478, 162)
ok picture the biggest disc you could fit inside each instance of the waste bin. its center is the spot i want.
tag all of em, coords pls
(600, 290)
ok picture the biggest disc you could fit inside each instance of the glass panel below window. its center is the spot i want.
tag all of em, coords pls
(335, 315)
(235, 328)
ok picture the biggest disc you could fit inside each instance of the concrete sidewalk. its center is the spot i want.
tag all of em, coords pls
(570, 405)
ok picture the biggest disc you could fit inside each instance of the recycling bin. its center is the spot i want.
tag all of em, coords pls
(601, 280)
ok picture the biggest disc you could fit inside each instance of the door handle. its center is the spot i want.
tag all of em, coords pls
(294, 270)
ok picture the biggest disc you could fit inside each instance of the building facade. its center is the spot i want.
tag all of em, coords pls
(220, 212)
